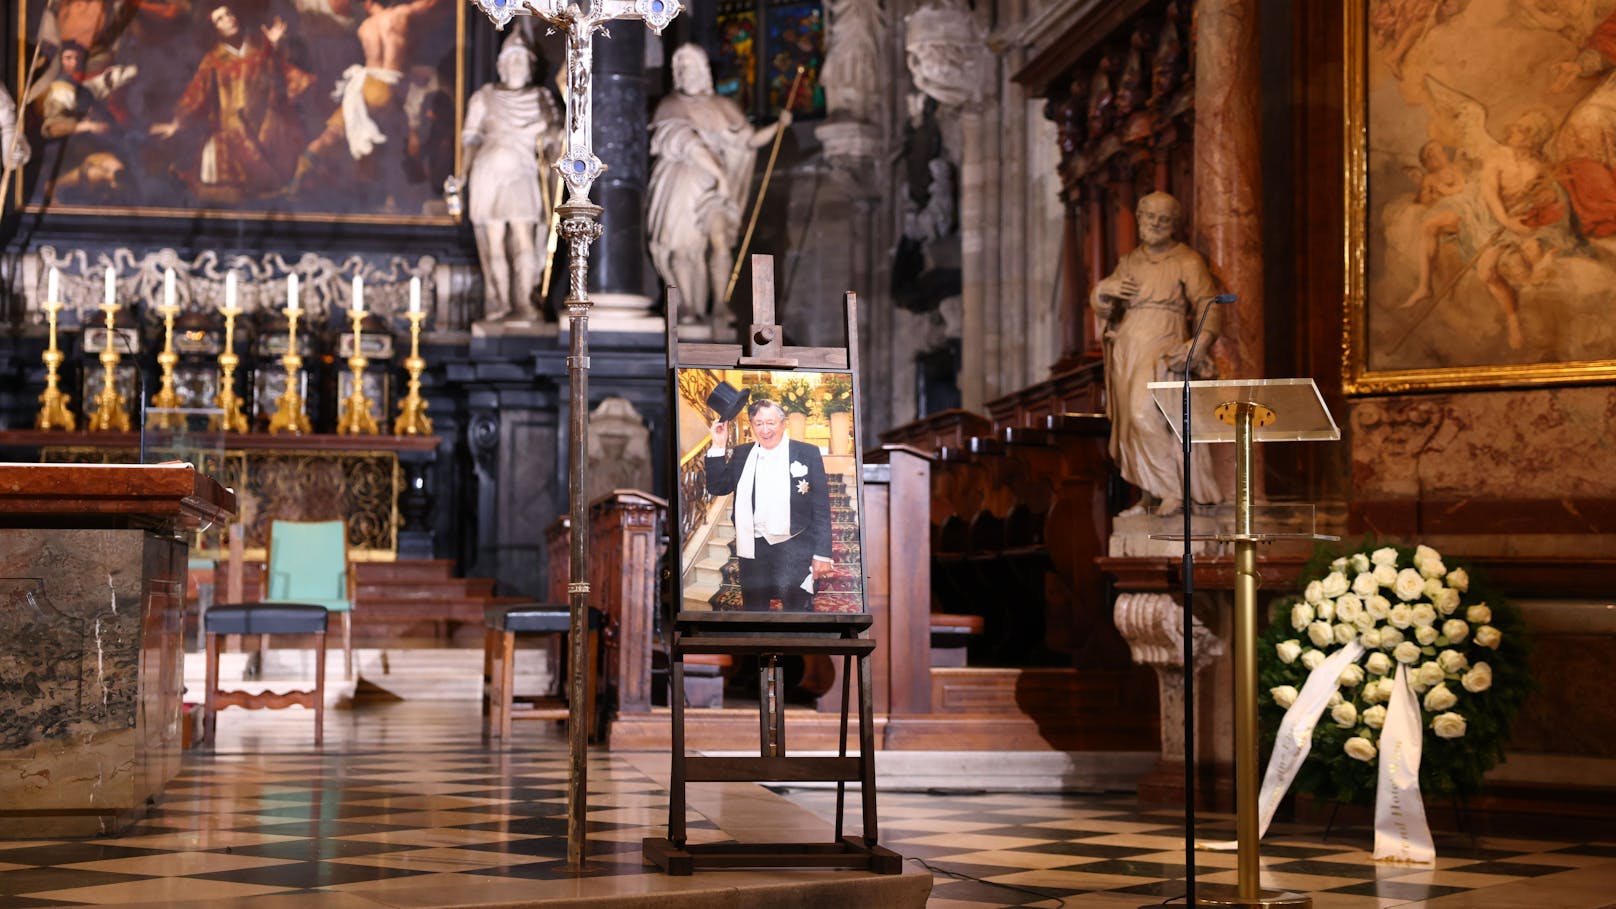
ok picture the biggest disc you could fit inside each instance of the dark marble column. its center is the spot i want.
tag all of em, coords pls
(617, 260)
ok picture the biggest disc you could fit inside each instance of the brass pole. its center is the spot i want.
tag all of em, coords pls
(1245, 665)
(763, 190)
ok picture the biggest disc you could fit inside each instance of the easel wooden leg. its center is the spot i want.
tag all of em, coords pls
(676, 776)
(841, 748)
(867, 749)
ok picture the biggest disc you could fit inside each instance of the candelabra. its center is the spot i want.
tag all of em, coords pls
(53, 412)
(356, 417)
(289, 415)
(110, 415)
(232, 419)
(166, 400)
(412, 419)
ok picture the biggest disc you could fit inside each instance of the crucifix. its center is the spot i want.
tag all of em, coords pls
(580, 226)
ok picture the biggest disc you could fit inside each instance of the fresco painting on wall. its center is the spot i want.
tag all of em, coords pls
(1482, 177)
(332, 110)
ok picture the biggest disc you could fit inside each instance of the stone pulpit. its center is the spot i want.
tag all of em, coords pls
(92, 605)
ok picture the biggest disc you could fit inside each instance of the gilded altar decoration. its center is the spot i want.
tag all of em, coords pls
(110, 413)
(53, 412)
(356, 418)
(233, 419)
(1480, 223)
(412, 419)
(1393, 675)
(167, 399)
(289, 415)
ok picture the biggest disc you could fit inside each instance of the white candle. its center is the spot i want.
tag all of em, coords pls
(291, 293)
(53, 287)
(358, 294)
(230, 290)
(415, 295)
(168, 289)
(110, 299)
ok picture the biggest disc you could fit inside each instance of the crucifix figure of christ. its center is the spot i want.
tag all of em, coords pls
(580, 226)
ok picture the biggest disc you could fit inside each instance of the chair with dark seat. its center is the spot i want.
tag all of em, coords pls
(501, 625)
(261, 619)
(308, 563)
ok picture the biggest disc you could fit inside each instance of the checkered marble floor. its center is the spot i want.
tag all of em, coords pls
(1011, 849)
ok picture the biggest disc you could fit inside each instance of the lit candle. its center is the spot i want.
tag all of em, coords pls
(110, 299)
(168, 289)
(358, 294)
(53, 287)
(230, 291)
(291, 293)
(415, 295)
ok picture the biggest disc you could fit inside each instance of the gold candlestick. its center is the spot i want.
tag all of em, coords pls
(110, 415)
(412, 419)
(234, 419)
(356, 417)
(166, 398)
(289, 415)
(53, 412)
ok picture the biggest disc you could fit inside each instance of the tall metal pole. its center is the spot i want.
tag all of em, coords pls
(1245, 662)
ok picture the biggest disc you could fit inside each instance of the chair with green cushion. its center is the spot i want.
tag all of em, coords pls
(308, 562)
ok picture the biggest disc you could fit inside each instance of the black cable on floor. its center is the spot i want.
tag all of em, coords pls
(958, 876)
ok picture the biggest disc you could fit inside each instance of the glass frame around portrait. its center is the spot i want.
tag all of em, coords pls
(708, 582)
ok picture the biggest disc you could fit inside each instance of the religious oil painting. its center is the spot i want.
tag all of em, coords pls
(322, 110)
(1481, 167)
(768, 492)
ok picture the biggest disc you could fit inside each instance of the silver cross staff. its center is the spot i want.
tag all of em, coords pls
(580, 225)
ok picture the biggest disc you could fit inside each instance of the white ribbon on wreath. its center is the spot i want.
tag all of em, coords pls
(1401, 831)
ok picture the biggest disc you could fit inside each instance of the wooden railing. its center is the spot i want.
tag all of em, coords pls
(693, 496)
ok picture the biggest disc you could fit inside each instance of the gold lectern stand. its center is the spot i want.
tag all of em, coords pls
(1244, 411)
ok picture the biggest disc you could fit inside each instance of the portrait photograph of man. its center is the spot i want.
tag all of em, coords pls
(777, 492)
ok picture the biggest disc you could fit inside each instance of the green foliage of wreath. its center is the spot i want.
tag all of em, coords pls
(1451, 764)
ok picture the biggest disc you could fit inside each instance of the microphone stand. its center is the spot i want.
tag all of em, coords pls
(1189, 617)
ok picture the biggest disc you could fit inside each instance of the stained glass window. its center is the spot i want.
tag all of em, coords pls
(760, 45)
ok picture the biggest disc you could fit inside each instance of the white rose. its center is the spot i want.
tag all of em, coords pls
(1409, 585)
(1378, 663)
(1284, 695)
(1351, 677)
(1345, 715)
(1370, 639)
(1488, 636)
(1434, 569)
(1424, 554)
(1455, 630)
(1448, 725)
(1399, 617)
(1301, 614)
(1312, 659)
(1387, 685)
(1425, 634)
(1479, 614)
(1335, 698)
(1406, 652)
(1478, 679)
(1344, 634)
(1363, 621)
(1452, 661)
(1385, 575)
(1359, 748)
(1432, 588)
(1320, 633)
(1313, 592)
(1335, 584)
(1459, 579)
(1431, 674)
(1446, 600)
(1325, 610)
(1365, 584)
(1338, 564)
(1390, 638)
(1348, 607)
(1384, 556)
(1375, 717)
(1372, 694)
(1359, 562)
(1377, 606)
(1422, 615)
(1440, 698)
(1288, 651)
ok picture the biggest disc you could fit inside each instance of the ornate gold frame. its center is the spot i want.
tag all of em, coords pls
(1356, 376)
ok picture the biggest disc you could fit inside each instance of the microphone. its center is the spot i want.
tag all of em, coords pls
(1189, 598)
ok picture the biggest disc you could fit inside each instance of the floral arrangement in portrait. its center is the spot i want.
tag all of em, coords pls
(1463, 648)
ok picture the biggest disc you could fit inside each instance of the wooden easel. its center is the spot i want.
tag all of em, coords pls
(769, 636)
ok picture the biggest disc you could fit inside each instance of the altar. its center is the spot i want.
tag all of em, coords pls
(92, 601)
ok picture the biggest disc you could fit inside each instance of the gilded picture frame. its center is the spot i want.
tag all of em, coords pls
(242, 109)
(1479, 251)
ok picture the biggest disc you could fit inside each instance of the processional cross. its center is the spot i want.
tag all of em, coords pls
(580, 225)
